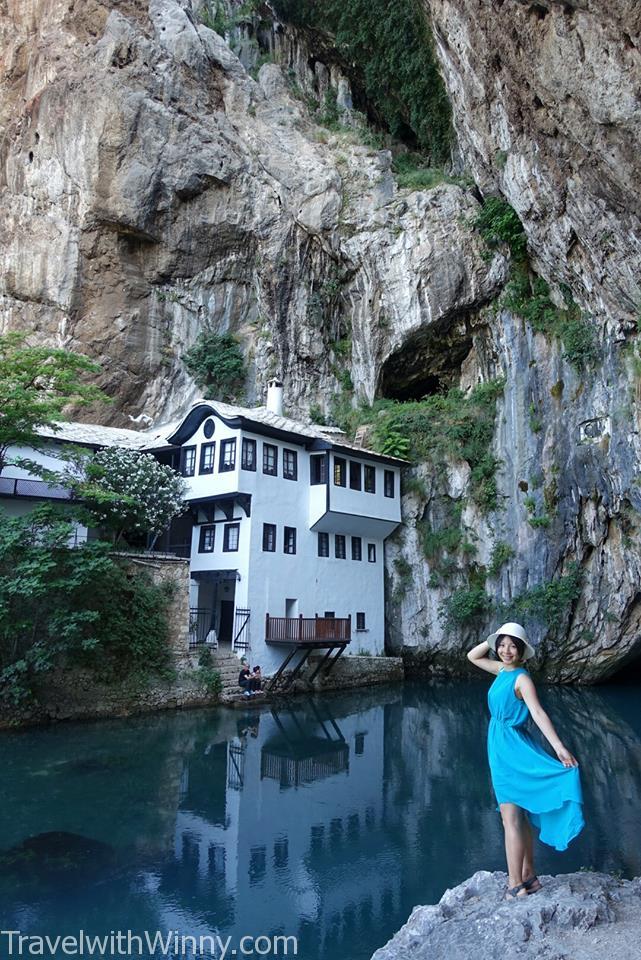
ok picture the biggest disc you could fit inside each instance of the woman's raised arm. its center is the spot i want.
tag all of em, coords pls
(478, 655)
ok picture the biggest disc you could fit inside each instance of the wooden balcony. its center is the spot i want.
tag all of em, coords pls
(308, 631)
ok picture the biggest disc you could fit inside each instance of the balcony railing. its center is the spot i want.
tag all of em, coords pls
(308, 629)
(15, 487)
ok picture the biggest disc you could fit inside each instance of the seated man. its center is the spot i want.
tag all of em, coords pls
(245, 678)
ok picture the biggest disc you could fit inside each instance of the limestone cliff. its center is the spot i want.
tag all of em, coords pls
(155, 185)
(153, 189)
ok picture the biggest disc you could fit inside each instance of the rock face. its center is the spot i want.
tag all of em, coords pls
(546, 110)
(152, 189)
(582, 916)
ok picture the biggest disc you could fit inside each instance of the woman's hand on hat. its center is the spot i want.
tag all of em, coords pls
(566, 757)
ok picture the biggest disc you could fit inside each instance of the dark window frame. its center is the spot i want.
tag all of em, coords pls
(357, 548)
(355, 475)
(228, 444)
(287, 536)
(371, 553)
(369, 478)
(323, 538)
(246, 462)
(293, 474)
(317, 469)
(207, 528)
(271, 472)
(183, 461)
(226, 535)
(389, 484)
(340, 538)
(360, 620)
(340, 472)
(204, 448)
(269, 536)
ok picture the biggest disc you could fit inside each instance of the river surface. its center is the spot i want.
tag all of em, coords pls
(327, 820)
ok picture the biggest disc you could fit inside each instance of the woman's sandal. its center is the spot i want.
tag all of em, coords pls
(512, 893)
(529, 884)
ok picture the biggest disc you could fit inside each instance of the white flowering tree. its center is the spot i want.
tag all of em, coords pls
(127, 491)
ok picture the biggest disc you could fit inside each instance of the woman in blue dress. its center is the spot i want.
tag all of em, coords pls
(531, 787)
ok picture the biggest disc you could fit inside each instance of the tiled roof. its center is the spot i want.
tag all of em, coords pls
(95, 435)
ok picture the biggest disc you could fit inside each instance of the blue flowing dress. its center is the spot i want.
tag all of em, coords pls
(524, 773)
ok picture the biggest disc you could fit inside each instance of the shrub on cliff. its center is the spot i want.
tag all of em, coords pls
(217, 365)
(66, 606)
(389, 49)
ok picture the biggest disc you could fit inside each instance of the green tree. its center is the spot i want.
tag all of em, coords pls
(217, 365)
(64, 606)
(36, 384)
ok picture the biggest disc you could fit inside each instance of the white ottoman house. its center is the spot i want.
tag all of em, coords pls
(289, 529)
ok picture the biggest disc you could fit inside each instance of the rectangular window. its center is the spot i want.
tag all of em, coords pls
(371, 552)
(339, 546)
(290, 464)
(207, 457)
(227, 456)
(269, 537)
(231, 537)
(354, 475)
(289, 540)
(360, 621)
(318, 469)
(370, 479)
(357, 548)
(340, 470)
(248, 456)
(329, 615)
(207, 537)
(270, 459)
(188, 462)
(323, 544)
(389, 483)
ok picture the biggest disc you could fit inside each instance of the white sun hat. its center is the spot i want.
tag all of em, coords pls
(512, 630)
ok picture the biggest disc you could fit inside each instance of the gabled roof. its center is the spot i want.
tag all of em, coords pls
(261, 420)
(254, 419)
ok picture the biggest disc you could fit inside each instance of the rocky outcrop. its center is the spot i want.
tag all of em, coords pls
(546, 114)
(152, 190)
(577, 915)
(546, 110)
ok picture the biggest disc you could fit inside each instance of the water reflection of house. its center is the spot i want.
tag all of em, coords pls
(292, 821)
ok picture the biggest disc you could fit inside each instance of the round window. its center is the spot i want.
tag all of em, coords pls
(209, 428)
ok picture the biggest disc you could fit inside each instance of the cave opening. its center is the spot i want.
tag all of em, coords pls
(628, 673)
(427, 363)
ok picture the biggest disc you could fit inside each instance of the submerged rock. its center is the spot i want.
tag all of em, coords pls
(55, 856)
(575, 916)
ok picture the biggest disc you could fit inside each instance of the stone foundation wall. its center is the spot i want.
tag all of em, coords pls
(358, 672)
(79, 695)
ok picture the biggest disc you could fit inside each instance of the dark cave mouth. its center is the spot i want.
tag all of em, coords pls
(627, 673)
(427, 364)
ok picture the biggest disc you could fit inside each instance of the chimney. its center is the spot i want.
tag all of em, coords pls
(275, 397)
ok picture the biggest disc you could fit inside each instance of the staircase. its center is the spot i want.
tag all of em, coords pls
(228, 666)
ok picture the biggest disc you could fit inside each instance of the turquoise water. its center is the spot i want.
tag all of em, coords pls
(325, 821)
